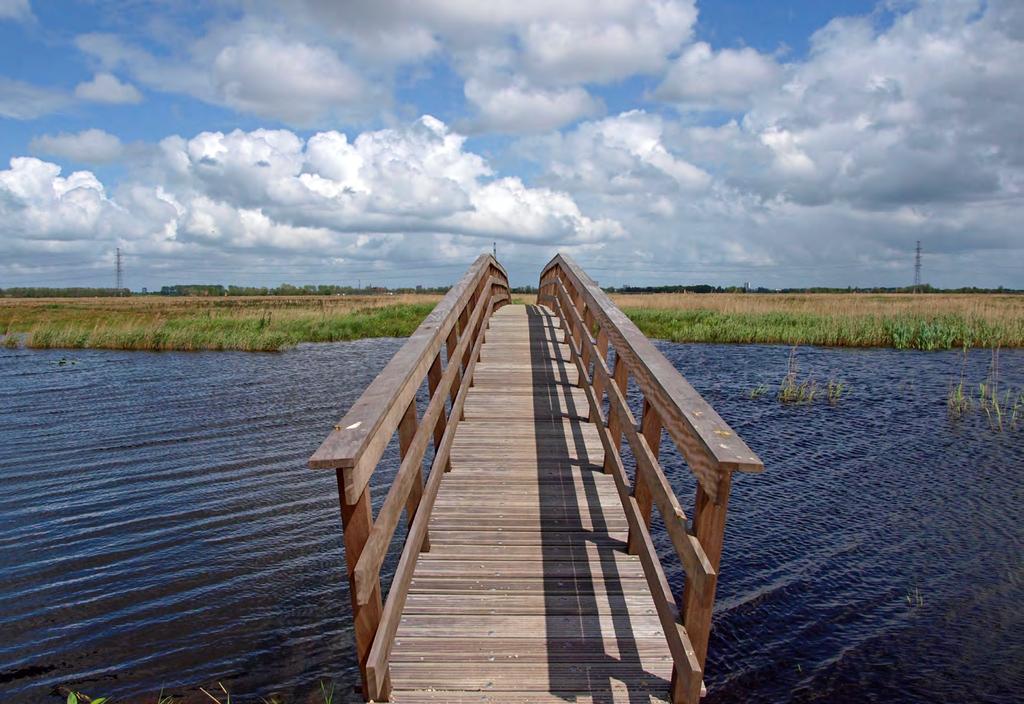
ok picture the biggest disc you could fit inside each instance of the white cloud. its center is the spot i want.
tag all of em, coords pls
(312, 62)
(25, 101)
(412, 191)
(250, 71)
(106, 88)
(705, 79)
(512, 105)
(88, 146)
(291, 81)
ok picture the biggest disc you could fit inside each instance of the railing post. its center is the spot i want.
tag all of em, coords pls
(650, 428)
(602, 349)
(620, 375)
(406, 432)
(433, 380)
(356, 522)
(709, 529)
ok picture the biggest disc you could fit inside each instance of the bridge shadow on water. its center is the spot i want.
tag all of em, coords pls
(592, 644)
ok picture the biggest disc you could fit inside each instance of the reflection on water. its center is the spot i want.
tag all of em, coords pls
(159, 529)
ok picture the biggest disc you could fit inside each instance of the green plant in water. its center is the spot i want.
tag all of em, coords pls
(835, 391)
(74, 698)
(958, 403)
(794, 391)
(758, 391)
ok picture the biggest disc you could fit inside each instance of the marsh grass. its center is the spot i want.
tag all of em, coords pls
(835, 391)
(248, 324)
(792, 390)
(1003, 408)
(901, 321)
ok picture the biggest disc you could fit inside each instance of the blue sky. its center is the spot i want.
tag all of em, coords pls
(658, 141)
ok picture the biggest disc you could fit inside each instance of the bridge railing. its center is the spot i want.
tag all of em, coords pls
(711, 449)
(355, 446)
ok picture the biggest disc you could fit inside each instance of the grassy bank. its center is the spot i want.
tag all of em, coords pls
(250, 324)
(925, 322)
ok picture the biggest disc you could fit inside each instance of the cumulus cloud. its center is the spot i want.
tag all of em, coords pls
(88, 146)
(314, 61)
(512, 105)
(885, 134)
(705, 79)
(106, 88)
(265, 192)
(253, 71)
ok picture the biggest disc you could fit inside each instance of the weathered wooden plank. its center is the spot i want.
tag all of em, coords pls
(614, 693)
(377, 677)
(688, 670)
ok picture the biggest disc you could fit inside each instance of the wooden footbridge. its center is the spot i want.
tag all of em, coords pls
(528, 573)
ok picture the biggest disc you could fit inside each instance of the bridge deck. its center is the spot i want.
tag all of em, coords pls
(527, 592)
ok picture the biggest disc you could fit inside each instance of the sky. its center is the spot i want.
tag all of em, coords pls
(392, 141)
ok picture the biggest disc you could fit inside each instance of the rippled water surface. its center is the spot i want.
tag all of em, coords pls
(159, 529)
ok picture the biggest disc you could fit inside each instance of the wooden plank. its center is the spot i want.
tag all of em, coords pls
(528, 589)
(687, 668)
(377, 677)
(367, 571)
(612, 694)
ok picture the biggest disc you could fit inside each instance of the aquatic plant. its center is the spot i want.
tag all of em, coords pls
(794, 391)
(835, 391)
(1003, 410)
(758, 391)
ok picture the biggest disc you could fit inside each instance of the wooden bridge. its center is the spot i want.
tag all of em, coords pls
(528, 573)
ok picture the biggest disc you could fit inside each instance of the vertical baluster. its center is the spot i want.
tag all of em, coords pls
(356, 521)
(709, 528)
(650, 428)
(433, 379)
(620, 375)
(406, 432)
(602, 349)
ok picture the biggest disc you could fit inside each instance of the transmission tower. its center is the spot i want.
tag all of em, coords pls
(917, 268)
(119, 282)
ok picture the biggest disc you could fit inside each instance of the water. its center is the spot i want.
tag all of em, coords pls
(159, 528)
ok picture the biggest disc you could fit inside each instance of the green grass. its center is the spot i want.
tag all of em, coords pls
(918, 332)
(275, 323)
(215, 329)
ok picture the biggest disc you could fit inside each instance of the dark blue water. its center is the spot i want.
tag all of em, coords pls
(159, 529)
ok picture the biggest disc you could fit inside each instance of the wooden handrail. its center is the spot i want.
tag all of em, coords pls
(708, 444)
(711, 450)
(357, 442)
(360, 438)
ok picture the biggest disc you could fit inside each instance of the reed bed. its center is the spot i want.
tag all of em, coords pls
(248, 324)
(902, 321)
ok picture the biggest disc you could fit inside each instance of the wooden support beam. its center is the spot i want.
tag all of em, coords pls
(406, 432)
(356, 520)
(709, 529)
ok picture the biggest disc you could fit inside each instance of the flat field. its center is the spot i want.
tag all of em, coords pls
(209, 323)
(903, 321)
